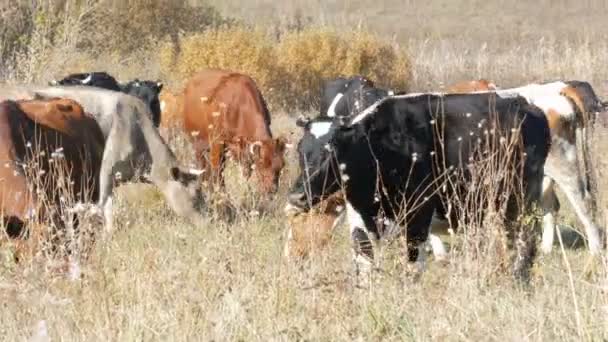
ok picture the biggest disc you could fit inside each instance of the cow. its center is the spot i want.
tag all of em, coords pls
(570, 107)
(133, 150)
(50, 154)
(147, 91)
(389, 154)
(470, 86)
(225, 111)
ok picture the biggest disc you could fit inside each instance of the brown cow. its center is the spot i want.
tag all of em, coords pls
(225, 111)
(471, 86)
(50, 157)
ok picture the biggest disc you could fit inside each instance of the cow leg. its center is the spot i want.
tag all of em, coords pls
(573, 191)
(550, 205)
(437, 246)
(216, 162)
(525, 243)
(363, 250)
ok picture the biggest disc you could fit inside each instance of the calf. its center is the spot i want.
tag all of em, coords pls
(390, 154)
(310, 232)
(225, 111)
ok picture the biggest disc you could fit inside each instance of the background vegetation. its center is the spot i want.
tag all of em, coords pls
(157, 278)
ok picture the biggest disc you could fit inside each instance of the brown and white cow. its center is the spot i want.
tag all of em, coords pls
(133, 148)
(225, 111)
(569, 107)
(50, 156)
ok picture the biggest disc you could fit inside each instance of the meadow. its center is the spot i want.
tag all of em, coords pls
(155, 277)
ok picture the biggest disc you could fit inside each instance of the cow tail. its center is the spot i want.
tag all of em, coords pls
(583, 124)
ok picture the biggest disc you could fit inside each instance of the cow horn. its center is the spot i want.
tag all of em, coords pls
(196, 172)
(331, 111)
(252, 146)
(88, 79)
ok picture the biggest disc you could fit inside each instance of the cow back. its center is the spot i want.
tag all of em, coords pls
(225, 104)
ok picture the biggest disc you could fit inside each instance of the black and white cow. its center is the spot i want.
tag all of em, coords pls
(147, 91)
(388, 155)
(349, 96)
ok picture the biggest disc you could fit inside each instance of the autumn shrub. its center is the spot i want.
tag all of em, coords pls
(289, 71)
(310, 56)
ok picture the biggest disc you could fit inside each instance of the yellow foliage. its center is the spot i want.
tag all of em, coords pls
(312, 56)
(236, 49)
(290, 72)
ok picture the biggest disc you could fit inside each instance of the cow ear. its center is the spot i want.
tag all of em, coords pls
(159, 85)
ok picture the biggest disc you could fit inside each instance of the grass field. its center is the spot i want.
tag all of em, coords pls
(155, 277)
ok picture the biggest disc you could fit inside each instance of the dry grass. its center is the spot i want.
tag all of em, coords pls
(158, 278)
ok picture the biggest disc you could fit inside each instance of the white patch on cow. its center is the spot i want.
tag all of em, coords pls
(567, 149)
(556, 102)
(548, 232)
(531, 91)
(331, 111)
(437, 247)
(354, 218)
(162, 106)
(391, 93)
(319, 129)
(108, 215)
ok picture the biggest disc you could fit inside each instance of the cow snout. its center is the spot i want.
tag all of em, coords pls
(297, 199)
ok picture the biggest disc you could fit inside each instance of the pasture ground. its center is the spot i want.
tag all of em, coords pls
(157, 278)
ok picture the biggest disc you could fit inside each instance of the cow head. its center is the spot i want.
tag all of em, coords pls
(148, 92)
(349, 96)
(184, 194)
(319, 170)
(265, 159)
(268, 162)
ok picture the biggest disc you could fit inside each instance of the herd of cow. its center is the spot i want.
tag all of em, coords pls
(388, 158)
